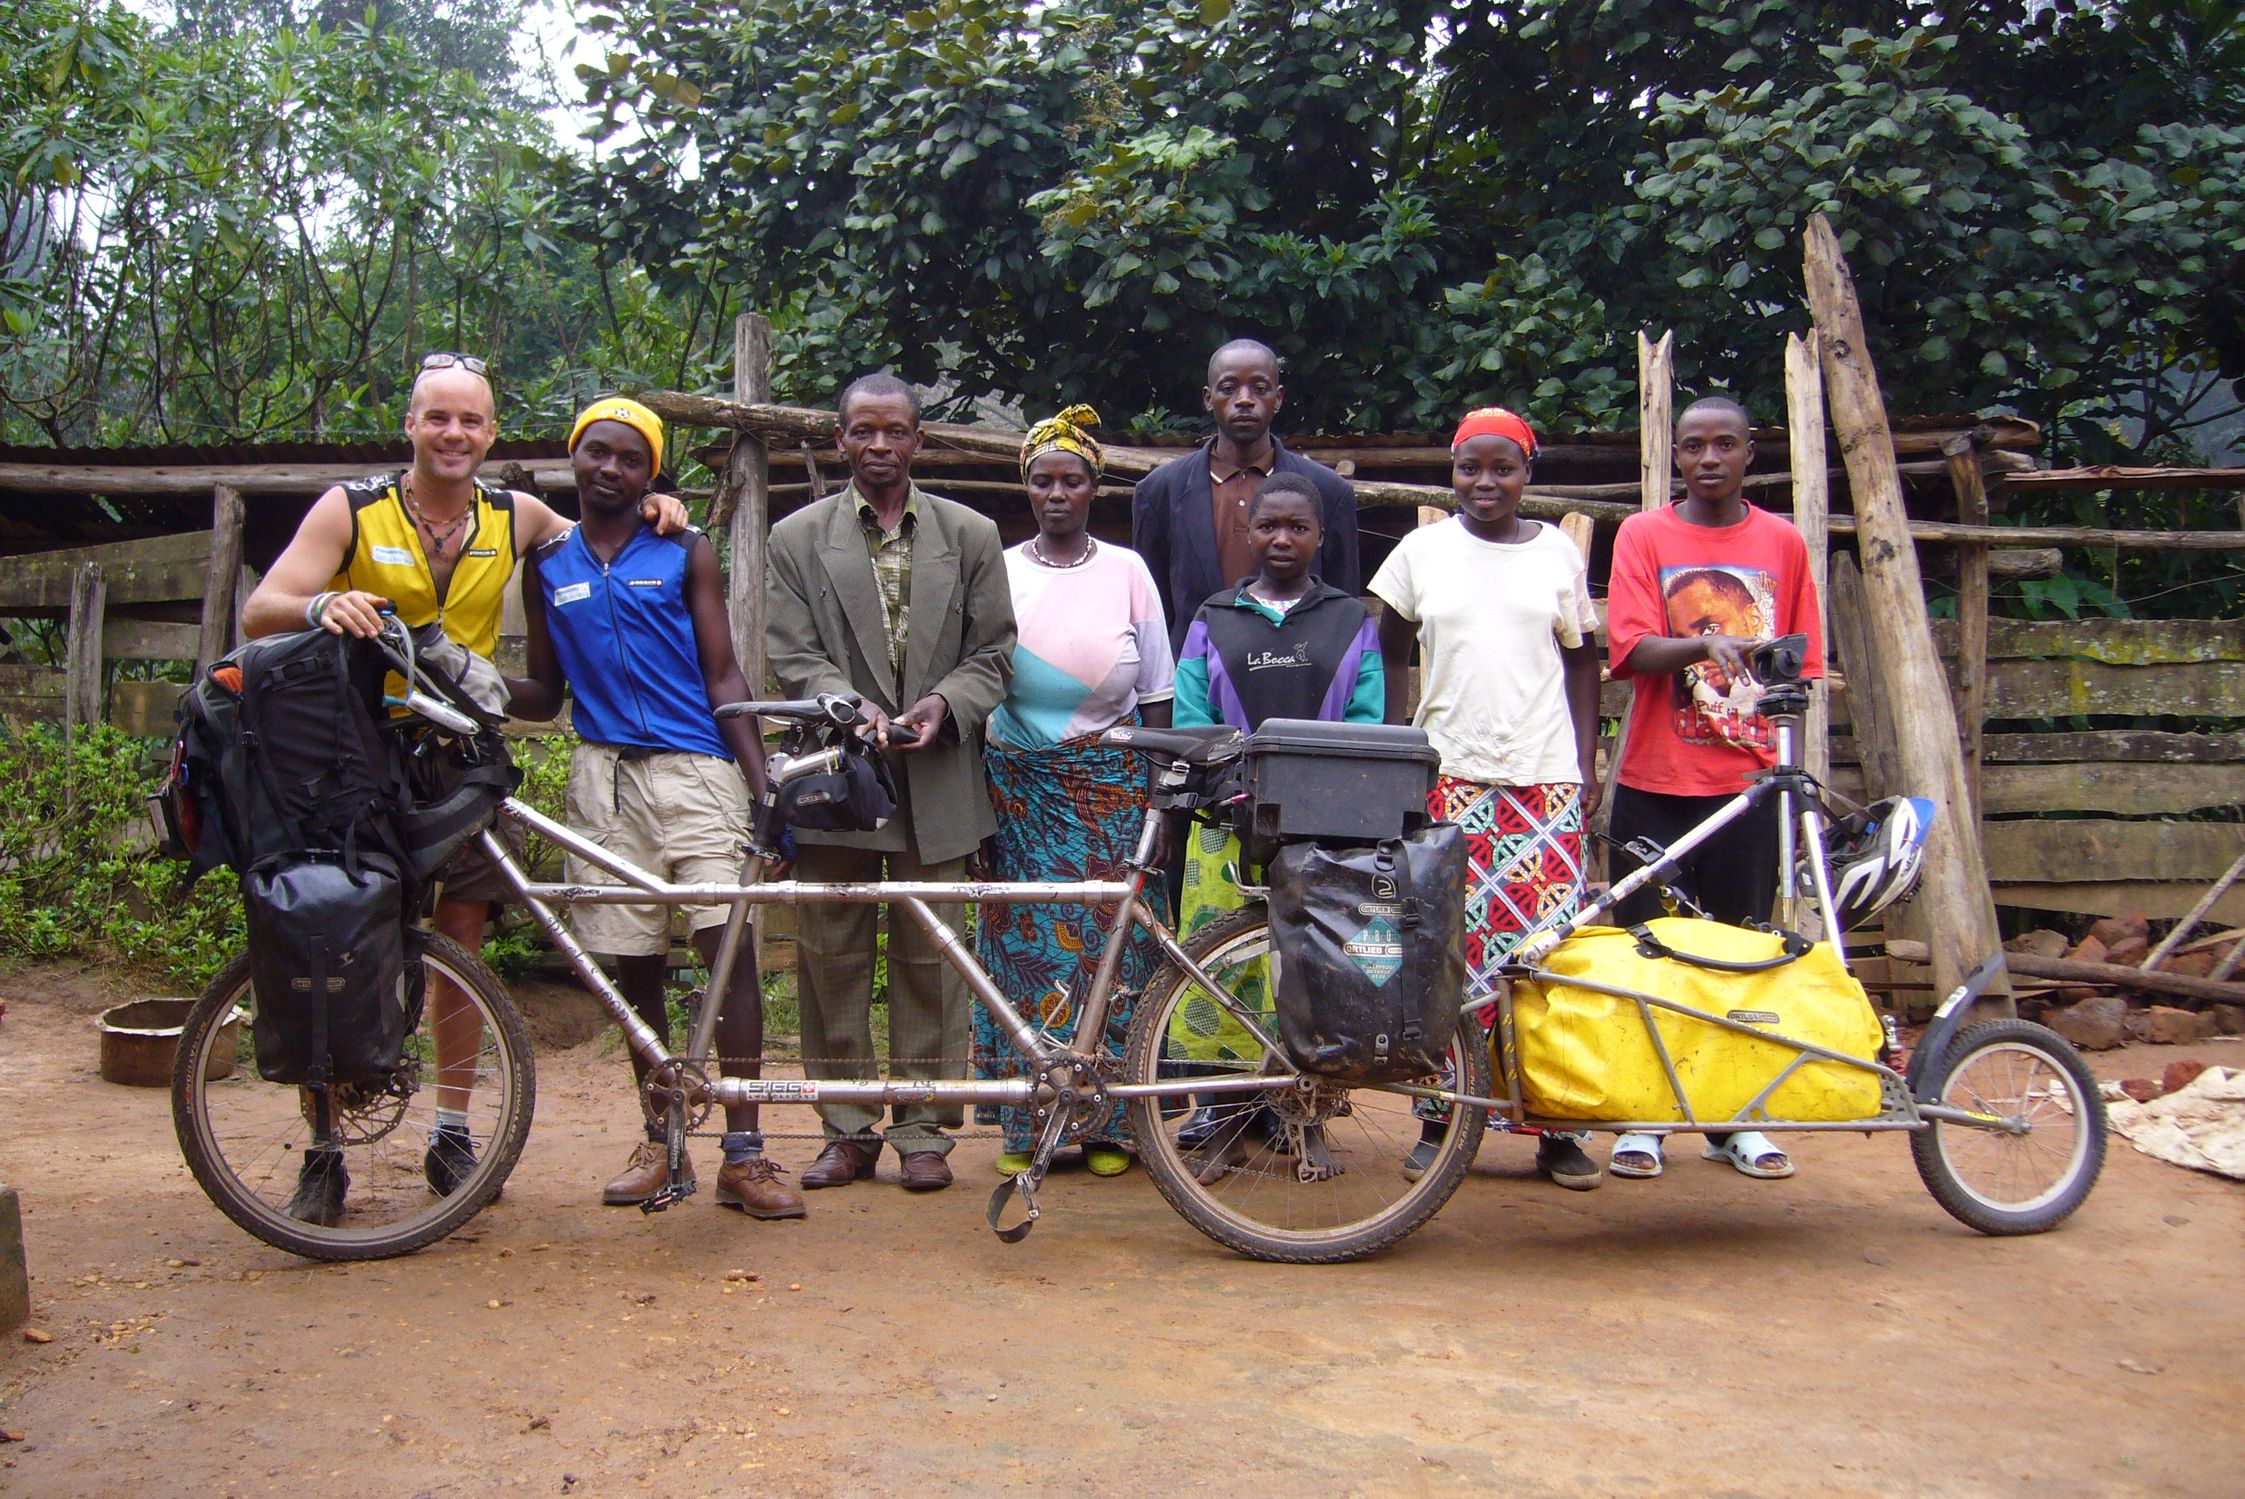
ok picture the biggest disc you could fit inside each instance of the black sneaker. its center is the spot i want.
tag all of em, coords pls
(320, 1184)
(1564, 1161)
(451, 1158)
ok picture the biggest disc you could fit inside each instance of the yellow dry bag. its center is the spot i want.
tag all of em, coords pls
(1587, 1055)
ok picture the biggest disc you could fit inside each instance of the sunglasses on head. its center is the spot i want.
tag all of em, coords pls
(468, 362)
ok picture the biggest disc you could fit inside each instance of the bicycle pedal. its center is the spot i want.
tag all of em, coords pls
(675, 1192)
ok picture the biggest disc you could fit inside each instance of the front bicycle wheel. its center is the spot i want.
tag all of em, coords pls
(2033, 1163)
(1303, 1175)
(371, 1190)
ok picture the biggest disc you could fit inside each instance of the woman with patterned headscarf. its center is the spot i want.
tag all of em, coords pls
(1093, 651)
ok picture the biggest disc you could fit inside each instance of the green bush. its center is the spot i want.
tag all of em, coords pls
(79, 876)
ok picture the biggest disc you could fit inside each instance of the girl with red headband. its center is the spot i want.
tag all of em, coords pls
(1499, 607)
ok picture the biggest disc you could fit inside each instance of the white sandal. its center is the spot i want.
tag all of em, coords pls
(1750, 1152)
(1636, 1155)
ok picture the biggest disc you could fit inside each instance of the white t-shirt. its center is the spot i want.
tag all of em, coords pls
(1492, 617)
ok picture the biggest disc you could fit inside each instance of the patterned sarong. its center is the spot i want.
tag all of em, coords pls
(1071, 812)
(1523, 864)
(1523, 871)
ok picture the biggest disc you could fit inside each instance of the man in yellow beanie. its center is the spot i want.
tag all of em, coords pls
(633, 624)
(439, 546)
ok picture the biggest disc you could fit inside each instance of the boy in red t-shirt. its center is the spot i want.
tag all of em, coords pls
(1695, 587)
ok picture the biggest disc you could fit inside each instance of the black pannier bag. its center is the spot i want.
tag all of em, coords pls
(327, 952)
(298, 784)
(1369, 943)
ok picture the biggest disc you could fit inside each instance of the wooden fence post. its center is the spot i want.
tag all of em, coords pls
(1656, 436)
(1812, 504)
(748, 476)
(81, 700)
(1955, 886)
(1963, 455)
(219, 590)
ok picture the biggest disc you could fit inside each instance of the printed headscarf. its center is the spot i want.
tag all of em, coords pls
(632, 415)
(1495, 421)
(1069, 432)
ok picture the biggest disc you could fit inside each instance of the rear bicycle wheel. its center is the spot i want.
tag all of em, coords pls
(1303, 1176)
(246, 1140)
(2027, 1177)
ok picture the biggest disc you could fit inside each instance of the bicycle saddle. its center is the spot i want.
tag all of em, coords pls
(1201, 748)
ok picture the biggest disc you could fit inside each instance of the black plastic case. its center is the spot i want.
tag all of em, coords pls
(1338, 782)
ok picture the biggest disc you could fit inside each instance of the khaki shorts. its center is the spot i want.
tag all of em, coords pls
(683, 817)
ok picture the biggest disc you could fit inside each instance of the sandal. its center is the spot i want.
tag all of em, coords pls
(1104, 1158)
(1636, 1155)
(1013, 1163)
(1751, 1154)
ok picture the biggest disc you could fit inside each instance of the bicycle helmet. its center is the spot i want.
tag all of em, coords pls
(1875, 857)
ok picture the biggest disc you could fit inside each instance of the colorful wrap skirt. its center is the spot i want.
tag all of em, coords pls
(1071, 812)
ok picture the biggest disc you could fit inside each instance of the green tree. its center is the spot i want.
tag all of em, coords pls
(1434, 203)
(258, 233)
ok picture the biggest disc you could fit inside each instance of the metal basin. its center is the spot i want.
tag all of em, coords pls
(139, 1041)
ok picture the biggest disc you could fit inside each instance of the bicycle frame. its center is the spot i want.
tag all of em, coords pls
(916, 898)
(1800, 817)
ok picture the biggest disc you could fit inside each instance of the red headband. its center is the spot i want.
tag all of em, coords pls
(1495, 421)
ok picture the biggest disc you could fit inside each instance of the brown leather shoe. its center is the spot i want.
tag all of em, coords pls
(842, 1162)
(924, 1170)
(647, 1174)
(754, 1187)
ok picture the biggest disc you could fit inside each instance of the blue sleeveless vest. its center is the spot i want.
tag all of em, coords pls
(626, 642)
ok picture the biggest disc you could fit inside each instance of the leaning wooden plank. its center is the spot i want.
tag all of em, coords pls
(1901, 647)
(2054, 851)
(2071, 970)
(1972, 609)
(156, 569)
(1812, 504)
(2191, 918)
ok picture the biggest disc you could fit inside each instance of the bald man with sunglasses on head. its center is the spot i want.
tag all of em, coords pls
(439, 546)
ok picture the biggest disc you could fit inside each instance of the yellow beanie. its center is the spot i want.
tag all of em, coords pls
(631, 414)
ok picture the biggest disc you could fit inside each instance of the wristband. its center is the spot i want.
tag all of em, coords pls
(318, 607)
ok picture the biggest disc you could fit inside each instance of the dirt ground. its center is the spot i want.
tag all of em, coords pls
(1702, 1334)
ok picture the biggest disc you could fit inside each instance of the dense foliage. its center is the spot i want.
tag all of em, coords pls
(77, 874)
(248, 222)
(1424, 202)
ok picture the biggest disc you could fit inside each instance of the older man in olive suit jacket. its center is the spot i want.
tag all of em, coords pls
(850, 579)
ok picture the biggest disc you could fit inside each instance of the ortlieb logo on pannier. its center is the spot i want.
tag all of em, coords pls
(1371, 966)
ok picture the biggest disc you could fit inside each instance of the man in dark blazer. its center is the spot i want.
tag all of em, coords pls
(1188, 518)
(901, 598)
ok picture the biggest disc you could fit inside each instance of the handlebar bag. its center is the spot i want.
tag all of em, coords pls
(1584, 1054)
(1370, 959)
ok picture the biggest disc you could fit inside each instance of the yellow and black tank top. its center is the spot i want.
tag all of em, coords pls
(386, 558)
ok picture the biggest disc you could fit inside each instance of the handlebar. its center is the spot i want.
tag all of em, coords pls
(837, 708)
